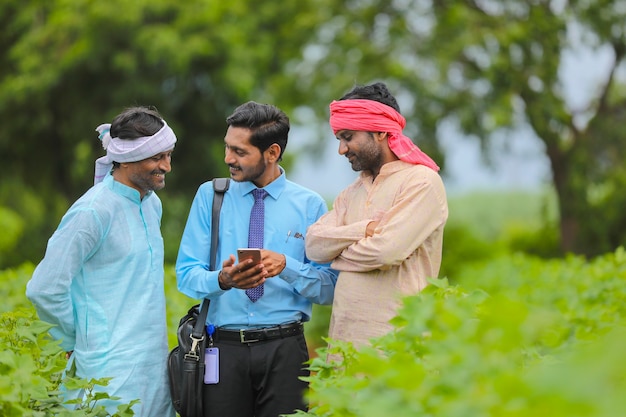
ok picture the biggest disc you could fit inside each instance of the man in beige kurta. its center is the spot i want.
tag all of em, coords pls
(385, 231)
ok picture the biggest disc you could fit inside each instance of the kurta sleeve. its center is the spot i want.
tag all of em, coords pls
(417, 211)
(329, 236)
(76, 238)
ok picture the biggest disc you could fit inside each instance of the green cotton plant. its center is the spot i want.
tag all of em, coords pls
(30, 366)
(397, 371)
(31, 372)
(522, 337)
(88, 404)
(589, 295)
(589, 381)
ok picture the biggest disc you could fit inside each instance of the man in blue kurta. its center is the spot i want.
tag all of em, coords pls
(101, 279)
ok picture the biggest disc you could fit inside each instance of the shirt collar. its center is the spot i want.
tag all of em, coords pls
(274, 188)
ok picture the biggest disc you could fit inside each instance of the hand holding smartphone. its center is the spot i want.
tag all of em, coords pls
(249, 253)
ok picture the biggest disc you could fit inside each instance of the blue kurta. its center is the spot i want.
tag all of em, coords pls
(101, 284)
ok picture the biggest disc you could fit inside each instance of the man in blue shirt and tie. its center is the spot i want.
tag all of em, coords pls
(257, 308)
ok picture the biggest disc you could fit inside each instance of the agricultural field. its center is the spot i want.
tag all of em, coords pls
(501, 333)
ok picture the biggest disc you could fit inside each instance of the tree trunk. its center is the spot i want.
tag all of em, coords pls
(567, 197)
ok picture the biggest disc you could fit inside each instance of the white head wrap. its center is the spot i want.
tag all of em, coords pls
(120, 150)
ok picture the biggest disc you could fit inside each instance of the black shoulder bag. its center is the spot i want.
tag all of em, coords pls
(185, 362)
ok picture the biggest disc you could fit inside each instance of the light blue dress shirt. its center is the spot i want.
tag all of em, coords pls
(101, 284)
(289, 210)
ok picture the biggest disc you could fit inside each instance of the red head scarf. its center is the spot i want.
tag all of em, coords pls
(373, 116)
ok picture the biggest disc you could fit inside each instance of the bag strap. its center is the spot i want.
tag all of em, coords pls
(220, 186)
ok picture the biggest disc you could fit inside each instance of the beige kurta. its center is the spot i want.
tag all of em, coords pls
(410, 203)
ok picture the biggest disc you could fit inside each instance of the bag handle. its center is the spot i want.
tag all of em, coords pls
(220, 186)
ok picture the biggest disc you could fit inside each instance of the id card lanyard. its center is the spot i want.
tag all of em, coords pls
(212, 359)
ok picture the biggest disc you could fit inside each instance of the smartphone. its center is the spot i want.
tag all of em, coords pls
(249, 253)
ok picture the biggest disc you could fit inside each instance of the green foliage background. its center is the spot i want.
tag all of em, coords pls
(69, 65)
(510, 334)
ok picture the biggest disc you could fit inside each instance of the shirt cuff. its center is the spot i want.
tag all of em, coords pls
(292, 270)
(213, 284)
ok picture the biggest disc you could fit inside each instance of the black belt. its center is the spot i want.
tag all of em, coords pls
(259, 335)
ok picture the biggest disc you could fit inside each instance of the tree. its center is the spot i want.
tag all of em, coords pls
(67, 66)
(70, 65)
(486, 65)
(490, 66)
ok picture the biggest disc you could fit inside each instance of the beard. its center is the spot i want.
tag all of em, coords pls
(366, 159)
(154, 181)
(252, 173)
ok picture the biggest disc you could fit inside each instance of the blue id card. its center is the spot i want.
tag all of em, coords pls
(212, 365)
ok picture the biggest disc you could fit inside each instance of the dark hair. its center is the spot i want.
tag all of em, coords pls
(377, 92)
(136, 122)
(268, 124)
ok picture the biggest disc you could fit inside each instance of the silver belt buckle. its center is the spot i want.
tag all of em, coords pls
(242, 337)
